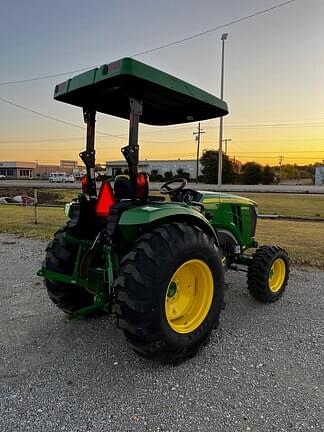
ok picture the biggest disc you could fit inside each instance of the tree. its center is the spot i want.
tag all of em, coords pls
(268, 175)
(252, 173)
(209, 162)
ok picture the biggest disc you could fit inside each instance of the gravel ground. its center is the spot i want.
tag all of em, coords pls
(262, 371)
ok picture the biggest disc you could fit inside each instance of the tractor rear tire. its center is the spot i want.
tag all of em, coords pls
(60, 257)
(268, 273)
(170, 292)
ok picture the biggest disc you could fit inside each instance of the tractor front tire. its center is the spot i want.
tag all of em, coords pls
(268, 273)
(60, 257)
(170, 292)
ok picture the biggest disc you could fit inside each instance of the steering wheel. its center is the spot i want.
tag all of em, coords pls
(165, 189)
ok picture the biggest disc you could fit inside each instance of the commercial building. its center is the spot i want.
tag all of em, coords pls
(17, 170)
(68, 166)
(43, 171)
(156, 166)
(27, 170)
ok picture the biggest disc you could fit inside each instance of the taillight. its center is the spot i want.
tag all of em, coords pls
(84, 183)
(141, 185)
(105, 200)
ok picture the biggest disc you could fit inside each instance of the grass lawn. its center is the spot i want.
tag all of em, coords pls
(288, 204)
(300, 239)
(268, 203)
(20, 220)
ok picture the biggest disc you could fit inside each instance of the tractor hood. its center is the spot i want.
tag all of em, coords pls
(222, 198)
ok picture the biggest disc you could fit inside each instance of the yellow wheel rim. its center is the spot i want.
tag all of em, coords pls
(189, 296)
(277, 275)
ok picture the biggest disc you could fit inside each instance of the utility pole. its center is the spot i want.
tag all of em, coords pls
(226, 141)
(280, 160)
(197, 138)
(220, 150)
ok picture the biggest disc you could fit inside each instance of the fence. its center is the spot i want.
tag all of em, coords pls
(26, 200)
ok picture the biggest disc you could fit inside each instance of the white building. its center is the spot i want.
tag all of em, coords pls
(319, 176)
(157, 166)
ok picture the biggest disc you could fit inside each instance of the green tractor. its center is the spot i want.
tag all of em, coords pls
(157, 264)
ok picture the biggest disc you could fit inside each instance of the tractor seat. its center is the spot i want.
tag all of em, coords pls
(122, 187)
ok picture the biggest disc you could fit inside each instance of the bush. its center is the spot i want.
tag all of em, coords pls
(156, 177)
(168, 175)
(181, 173)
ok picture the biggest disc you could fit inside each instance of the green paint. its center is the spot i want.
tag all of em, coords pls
(138, 220)
(167, 99)
(99, 279)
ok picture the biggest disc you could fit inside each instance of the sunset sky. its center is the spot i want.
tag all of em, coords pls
(274, 74)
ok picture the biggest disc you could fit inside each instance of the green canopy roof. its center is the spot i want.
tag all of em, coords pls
(166, 99)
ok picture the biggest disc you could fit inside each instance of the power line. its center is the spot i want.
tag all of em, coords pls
(287, 158)
(123, 135)
(213, 29)
(238, 153)
(22, 141)
(52, 118)
(40, 114)
(67, 138)
(292, 151)
(40, 140)
(35, 140)
(166, 45)
(244, 126)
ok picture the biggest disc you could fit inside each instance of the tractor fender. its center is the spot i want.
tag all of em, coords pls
(136, 220)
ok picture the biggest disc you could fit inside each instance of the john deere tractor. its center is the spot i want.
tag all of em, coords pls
(157, 264)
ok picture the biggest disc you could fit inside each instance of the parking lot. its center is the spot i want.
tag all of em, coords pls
(262, 371)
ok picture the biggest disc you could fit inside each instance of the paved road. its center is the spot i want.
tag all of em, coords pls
(200, 186)
(262, 371)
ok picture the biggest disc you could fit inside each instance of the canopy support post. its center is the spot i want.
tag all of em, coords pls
(130, 152)
(88, 156)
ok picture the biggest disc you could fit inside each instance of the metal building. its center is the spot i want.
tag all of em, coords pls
(319, 176)
(157, 166)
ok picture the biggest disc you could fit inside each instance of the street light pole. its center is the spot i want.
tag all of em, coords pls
(220, 147)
